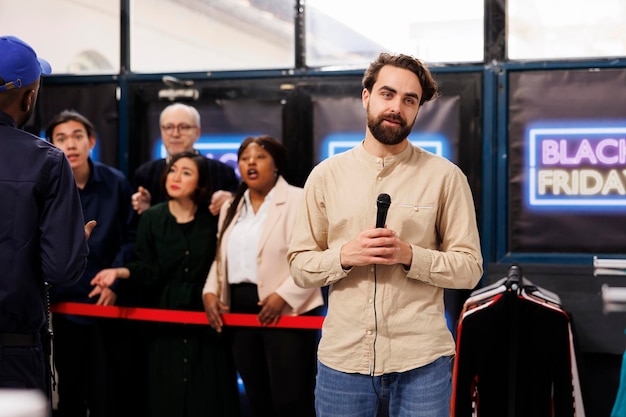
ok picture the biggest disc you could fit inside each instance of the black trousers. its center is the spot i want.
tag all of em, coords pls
(81, 362)
(24, 367)
(277, 366)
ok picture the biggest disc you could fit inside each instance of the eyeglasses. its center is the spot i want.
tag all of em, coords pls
(182, 128)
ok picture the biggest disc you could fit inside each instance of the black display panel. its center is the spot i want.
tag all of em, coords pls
(567, 161)
(97, 102)
(224, 125)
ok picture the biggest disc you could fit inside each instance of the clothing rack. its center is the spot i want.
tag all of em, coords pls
(609, 266)
(514, 283)
(516, 327)
(613, 299)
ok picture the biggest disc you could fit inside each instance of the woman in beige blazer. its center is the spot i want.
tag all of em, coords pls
(250, 275)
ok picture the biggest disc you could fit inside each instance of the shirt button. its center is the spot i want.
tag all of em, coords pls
(372, 269)
(186, 269)
(370, 301)
(369, 332)
(186, 252)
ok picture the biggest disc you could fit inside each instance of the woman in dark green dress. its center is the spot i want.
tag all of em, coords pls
(191, 369)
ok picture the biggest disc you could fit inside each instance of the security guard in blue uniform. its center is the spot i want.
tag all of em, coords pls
(43, 238)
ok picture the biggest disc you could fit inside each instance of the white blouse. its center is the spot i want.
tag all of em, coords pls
(243, 243)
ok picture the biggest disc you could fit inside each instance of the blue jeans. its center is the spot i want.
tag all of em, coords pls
(420, 392)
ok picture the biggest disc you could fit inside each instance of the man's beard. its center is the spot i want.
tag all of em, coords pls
(388, 135)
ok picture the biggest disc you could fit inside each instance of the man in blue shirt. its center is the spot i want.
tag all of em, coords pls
(42, 230)
(84, 343)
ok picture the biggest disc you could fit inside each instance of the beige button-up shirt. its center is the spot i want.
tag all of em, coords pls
(384, 319)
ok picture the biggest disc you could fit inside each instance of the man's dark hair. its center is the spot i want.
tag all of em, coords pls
(417, 67)
(69, 116)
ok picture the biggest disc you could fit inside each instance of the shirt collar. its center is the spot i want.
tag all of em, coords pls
(246, 198)
(94, 174)
(388, 160)
(7, 120)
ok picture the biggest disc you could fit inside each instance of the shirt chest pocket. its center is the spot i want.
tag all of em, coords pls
(414, 222)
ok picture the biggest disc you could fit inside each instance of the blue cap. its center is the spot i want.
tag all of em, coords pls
(19, 64)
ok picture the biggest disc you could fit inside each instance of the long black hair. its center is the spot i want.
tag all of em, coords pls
(69, 116)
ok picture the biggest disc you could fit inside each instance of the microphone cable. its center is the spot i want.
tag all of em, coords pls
(383, 201)
(373, 369)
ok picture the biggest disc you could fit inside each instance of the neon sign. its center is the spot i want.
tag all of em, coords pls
(222, 147)
(574, 167)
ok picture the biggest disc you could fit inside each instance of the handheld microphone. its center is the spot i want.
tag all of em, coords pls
(383, 201)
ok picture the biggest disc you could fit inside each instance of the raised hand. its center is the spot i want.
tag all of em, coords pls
(89, 227)
(141, 200)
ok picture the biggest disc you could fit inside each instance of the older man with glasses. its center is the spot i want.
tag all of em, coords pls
(180, 129)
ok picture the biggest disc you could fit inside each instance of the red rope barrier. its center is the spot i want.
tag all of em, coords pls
(178, 316)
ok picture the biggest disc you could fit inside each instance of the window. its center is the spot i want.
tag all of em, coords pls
(197, 35)
(75, 36)
(353, 32)
(560, 29)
